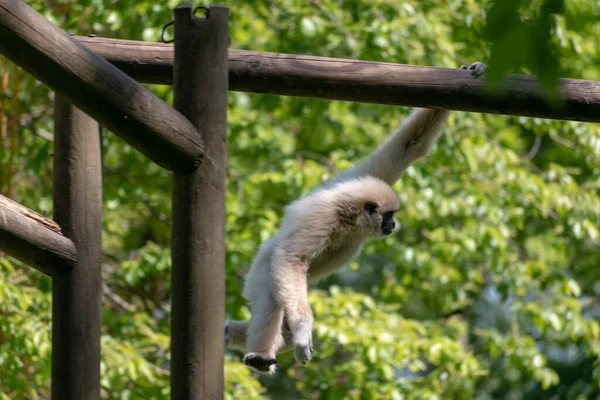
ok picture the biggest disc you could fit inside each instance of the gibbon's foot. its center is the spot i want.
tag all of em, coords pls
(303, 352)
(260, 362)
(477, 68)
(227, 334)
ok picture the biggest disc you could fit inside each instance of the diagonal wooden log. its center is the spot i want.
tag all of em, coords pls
(33, 239)
(363, 81)
(96, 87)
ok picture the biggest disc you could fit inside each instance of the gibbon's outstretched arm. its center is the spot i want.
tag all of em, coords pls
(412, 140)
(320, 233)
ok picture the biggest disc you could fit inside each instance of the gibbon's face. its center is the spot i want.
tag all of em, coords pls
(378, 219)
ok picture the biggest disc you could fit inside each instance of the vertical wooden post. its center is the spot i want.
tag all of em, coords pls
(198, 278)
(76, 295)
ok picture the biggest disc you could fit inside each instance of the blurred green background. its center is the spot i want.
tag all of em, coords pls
(490, 288)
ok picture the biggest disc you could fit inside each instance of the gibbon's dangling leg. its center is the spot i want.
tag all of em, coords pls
(288, 295)
(236, 333)
(292, 293)
(264, 337)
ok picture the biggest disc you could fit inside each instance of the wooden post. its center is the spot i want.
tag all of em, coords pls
(76, 295)
(198, 245)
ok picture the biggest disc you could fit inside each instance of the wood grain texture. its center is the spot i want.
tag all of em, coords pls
(33, 239)
(198, 242)
(95, 86)
(364, 81)
(76, 295)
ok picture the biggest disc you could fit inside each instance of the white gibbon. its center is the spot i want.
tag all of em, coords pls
(320, 233)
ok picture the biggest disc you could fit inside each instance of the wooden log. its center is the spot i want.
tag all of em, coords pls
(364, 81)
(146, 62)
(77, 295)
(92, 84)
(198, 241)
(33, 239)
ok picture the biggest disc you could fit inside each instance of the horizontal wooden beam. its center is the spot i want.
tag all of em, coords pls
(96, 87)
(363, 81)
(33, 239)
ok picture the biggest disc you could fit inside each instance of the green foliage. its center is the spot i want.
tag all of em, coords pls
(488, 290)
(521, 32)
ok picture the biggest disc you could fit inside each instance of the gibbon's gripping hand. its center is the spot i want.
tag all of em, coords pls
(477, 68)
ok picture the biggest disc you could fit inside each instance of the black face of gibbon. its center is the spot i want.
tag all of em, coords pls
(387, 219)
(387, 223)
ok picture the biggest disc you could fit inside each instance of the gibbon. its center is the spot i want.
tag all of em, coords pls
(320, 233)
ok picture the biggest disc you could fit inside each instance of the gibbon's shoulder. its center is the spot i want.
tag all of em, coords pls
(324, 204)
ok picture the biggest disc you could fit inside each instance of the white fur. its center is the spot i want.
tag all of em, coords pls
(320, 233)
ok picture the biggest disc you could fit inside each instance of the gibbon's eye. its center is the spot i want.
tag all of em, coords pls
(388, 215)
(370, 207)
